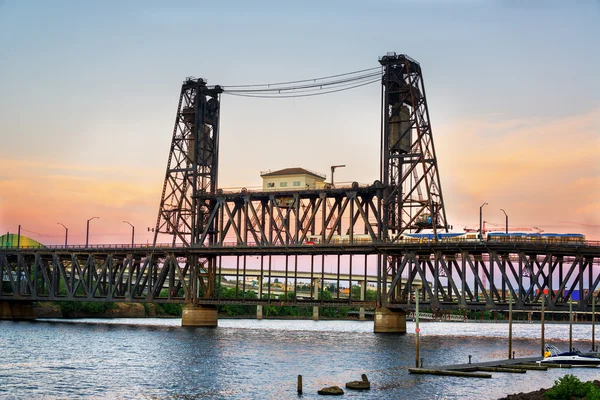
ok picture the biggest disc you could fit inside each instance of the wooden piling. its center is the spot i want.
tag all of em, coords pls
(543, 350)
(510, 317)
(571, 322)
(593, 323)
(299, 384)
(417, 330)
(442, 372)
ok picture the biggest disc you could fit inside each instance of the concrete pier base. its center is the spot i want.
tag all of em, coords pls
(316, 313)
(389, 321)
(16, 310)
(361, 314)
(259, 312)
(199, 316)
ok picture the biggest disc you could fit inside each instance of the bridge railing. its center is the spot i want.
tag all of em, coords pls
(437, 317)
(312, 243)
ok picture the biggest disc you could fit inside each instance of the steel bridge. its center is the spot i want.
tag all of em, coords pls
(353, 233)
(450, 275)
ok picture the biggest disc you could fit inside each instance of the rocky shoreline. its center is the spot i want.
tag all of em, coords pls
(535, 395)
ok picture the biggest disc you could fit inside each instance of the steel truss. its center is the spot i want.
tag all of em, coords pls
(465, 276)
(192, 166)
(476, 280)
(140, 277)
(294, 217)
(409, 168)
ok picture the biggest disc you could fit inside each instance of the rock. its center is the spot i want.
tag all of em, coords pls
(331, 391)
(359, 385)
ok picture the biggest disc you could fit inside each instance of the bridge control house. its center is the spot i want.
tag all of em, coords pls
(292, 179)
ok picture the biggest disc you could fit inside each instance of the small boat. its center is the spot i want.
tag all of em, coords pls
(575, 358)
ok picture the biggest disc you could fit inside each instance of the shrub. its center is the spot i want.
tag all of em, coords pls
(570, 386)
(92, 307)
(168, 309)
(68, 308)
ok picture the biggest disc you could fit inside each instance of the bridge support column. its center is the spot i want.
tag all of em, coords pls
(361, 311)
(389, 321)
(259, 313)
(16, 310)
(199, 316)
(315, 296)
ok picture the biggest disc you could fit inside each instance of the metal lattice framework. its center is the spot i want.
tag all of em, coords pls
(295, 217)
(409, 169)
(192, 166)
(486, 280)
(463, 276)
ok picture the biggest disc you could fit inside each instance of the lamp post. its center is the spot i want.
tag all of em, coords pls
(481, 221)
(87, 231)
(66, 232)
(506, 215)
(132, 231)
(333, 167)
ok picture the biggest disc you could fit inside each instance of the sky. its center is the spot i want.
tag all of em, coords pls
(89, 91)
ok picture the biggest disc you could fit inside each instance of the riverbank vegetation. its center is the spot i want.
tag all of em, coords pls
(569, 387)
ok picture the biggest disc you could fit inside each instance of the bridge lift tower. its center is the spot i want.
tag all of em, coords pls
(192, 173)
(192, 166)
(413, 200)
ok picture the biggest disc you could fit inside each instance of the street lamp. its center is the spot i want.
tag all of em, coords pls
(87, 231)
(66, 232)
(333, 167)
(481, 220)
(506, 215)
(132, 231)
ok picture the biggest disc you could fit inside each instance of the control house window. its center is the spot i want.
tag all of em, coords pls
(283, 184)
(296, 183)
(271, 184)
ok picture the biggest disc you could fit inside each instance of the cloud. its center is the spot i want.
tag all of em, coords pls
(539, 171)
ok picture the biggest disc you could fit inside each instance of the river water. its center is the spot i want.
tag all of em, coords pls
(251, 359)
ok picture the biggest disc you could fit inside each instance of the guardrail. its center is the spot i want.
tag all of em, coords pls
(345, 242)
(434, 317)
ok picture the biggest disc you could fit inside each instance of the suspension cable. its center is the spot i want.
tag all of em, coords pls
(318, 85)
(314, 93)
(300, 81)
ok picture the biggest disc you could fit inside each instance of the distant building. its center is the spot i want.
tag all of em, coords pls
(292, 179)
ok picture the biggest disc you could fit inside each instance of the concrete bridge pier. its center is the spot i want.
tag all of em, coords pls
(259, 312)
(16, 310)
(201, 316)
(361, 311)
(389, 321)
(316, 282)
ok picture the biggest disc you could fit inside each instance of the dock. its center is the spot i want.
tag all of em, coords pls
(482, 369)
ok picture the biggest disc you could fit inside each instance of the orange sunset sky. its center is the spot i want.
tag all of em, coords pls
(88, 97)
